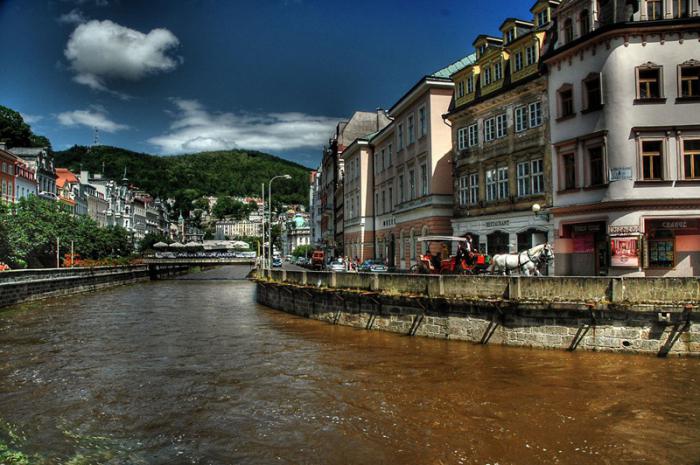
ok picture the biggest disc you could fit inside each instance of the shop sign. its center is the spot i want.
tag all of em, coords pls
(495, 224)
(584, 244)
(623, 229)
(624, 252)
(678, 224)
(620, 174)
(582, 228)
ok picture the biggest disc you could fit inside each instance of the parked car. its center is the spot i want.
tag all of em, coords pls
(301, 261)
(337, 265)
(276, 262)
(374, 266)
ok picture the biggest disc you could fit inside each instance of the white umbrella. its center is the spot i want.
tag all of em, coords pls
(160, 245)
(176, 245)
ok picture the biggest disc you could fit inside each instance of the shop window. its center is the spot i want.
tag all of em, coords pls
(652, 160)
(566, 101)
(691, 159)
(593, 92)
(660, 249)
(649, 82)
(655, 9)
(497, 242)
(690, 80)
(596, 166)
(568, 171)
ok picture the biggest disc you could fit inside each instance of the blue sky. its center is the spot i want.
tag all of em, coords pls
(177, 76)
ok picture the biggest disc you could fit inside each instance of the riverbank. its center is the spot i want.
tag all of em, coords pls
(19, 286)
(636, 315)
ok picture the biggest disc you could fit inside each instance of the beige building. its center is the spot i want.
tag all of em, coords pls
(500, 137)
(624, 86)
(398, 180)
(239, 228)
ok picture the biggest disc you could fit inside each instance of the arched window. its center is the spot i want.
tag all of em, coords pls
(402, 251)
(413, 244)
(424, 232)
(585, 22)
(568, 31)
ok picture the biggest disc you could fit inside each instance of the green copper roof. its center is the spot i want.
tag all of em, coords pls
(449, 70)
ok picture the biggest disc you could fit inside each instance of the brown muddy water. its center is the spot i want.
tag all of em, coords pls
(195, 372)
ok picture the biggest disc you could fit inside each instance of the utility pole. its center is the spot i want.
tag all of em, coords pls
(58, 252)
(262, 256)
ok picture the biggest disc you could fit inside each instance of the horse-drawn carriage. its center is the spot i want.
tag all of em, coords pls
(467, 260)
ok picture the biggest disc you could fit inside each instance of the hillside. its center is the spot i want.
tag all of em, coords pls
(187, 177)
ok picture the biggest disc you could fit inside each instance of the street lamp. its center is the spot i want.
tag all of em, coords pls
(537, 210)
(269, 209)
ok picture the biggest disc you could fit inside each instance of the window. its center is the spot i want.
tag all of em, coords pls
(422, 122)
(383, 157)
(411, 132)
(652, 157)
(569, 173)
(376, 202)
(585, 22)
(510, 35)
(411, 185)
(460, 89)
(388, 152)
(655, 9)
(462, 138)
(649, 82)
(501, 126)
(491, 193)
(566, 102)
(520, 119)
(537, 176)
(424, 179)
(530, 55)
(543, 17)
(691, 159)
(498, 71)
(535, 112)
(470, 84)
(474, 188)
(400, 137)
(680, 8)
(384, 210)
(473, 135)
(489, 129)
(568, 31)
(592, 92)
(402, 191)
(463, 191)
(4, 167)
(487, 76)
(376, 164)
(690, 81)
(391, 197)
(503, 183)
(523, 172)
(596, 166)
(518, 61)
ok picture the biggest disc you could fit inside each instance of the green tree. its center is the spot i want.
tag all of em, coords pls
(228, 206)
(152, 238)
(303, 250)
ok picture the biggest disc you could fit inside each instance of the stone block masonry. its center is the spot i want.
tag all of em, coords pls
(27, 285)
(598, 314)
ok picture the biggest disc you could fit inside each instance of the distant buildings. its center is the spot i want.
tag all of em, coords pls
(7, 175)
(40, 160)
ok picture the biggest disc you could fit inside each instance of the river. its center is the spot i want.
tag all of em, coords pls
(193, 371)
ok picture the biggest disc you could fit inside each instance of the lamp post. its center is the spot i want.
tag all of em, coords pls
(269, 203)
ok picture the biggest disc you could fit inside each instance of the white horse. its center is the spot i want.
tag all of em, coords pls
(526, 262)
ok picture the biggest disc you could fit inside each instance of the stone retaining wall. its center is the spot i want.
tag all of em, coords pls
(557, 313)
(27, 285)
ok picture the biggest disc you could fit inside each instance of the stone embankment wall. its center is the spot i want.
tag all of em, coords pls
(638, 315)
(26, 285)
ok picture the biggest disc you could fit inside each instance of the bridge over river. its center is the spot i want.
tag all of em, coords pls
(192, 370)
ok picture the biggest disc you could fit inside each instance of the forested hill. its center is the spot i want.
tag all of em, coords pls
(188, 177)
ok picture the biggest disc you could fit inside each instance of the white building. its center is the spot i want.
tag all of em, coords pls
(624, 87)
(238, 228)
(25, 181)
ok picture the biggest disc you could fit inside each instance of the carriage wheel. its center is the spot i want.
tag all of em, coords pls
(417, 269)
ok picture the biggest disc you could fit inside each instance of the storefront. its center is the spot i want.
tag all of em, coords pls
(671, 246)
(582, 249)
(507, 233)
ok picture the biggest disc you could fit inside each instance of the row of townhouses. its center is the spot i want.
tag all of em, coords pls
(577, 126)
(28, 171)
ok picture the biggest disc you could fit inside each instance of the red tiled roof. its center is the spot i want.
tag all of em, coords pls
(65, 175)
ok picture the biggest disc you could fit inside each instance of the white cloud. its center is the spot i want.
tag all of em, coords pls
(95, 117)
(75, 16)
(31, 119)
(102, 50)
(196, 129)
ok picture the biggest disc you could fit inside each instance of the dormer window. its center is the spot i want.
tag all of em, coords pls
(498, 71)
(470, 84)
(543, 17)
(487, 76)
(585, 21)
(655, 9)
(568, 31)
(510, 35)
(482, 50)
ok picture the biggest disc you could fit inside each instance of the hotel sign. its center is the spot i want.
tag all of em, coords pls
(620, 174)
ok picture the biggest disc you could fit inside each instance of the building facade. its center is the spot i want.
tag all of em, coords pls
(230, 229)
(502, 160)
(624, 86)
(359, 208)
(41, 161)
(25, 181)
(7, 175)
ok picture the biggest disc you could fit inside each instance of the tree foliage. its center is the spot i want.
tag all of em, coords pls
(16, 133)
(31, 227)
(303, 250)
(187, 178)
